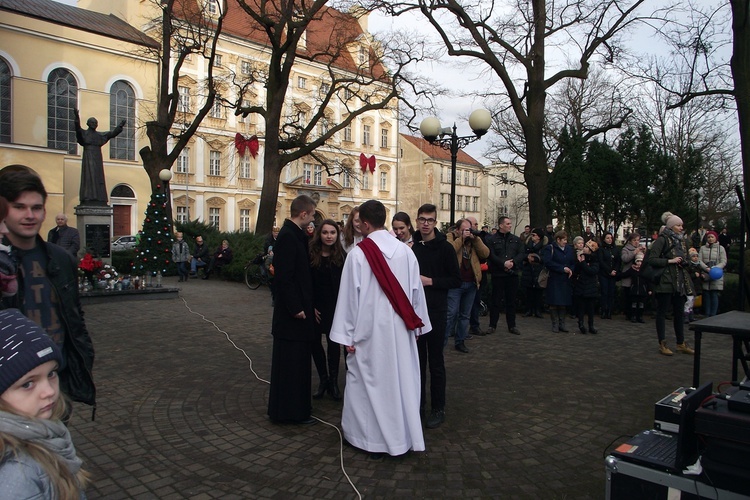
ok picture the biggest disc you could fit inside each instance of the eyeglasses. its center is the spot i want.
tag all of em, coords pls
(422, 220)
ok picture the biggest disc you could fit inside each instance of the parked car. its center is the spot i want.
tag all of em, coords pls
(124, 243)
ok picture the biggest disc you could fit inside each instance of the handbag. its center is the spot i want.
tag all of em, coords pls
(544, 273)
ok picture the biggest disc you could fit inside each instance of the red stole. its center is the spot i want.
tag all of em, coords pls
(390, 284)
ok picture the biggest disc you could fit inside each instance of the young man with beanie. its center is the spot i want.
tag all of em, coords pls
(47, 282)
(669, 253)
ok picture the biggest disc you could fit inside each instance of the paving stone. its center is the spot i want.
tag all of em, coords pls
(182, 413)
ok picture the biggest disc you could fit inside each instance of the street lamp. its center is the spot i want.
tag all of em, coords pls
(479, 121)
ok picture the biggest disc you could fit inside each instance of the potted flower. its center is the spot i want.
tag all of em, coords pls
(90, 266)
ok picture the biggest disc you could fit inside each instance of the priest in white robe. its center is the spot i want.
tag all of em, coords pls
(381, 399)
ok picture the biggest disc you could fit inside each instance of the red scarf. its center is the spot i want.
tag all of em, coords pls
(390, 285)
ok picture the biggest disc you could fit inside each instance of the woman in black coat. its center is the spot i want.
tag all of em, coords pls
(532, 266)
(586, 284)
(560, 259)
(609, 264)
(326, 261)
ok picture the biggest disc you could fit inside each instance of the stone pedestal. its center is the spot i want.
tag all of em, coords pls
(95, 226)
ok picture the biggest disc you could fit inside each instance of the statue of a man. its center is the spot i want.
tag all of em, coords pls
(93, 189)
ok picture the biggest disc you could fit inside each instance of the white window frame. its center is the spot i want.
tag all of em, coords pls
(245, 219)
(181, 212)
(183, 103)
(503, 193)
(217, 110)
(245, 67)
(317, 175)
(348, 133)
(217, 61)
(365, 181)
(383, 181)
(301, 82)
(245, 171)
(307, 173)
(214, 162)
(384, 133)
(347, 181)
(214, 217)
(183, 161)
(365, 135)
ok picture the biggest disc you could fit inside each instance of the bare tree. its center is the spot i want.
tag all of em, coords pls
(513, 40)
(363, 84)
(185, 30)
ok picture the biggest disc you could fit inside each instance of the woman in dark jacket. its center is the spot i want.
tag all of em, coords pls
(221, 258)
(532, 266)
(668, 254)
(586, 284)
(326, 261)
(559, 258)
(609, 263)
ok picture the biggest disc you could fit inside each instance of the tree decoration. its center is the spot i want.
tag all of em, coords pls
(154, 252)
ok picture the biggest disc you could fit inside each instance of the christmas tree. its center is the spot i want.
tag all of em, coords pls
(154, 250)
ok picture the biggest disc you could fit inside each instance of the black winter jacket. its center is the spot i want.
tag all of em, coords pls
(586, 276)
(437, 260)
(505, 246)
(76, 379)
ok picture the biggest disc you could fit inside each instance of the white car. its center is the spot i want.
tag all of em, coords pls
(123, 243)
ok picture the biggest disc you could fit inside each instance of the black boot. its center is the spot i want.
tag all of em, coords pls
(581, 327)
(333, 388)
(592, 330)
(322, 388)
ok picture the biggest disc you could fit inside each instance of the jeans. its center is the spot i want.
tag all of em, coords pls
(182, 270)
(460, 302)
(474, 315)
(195, 264)
(710, 302)
(677, 302)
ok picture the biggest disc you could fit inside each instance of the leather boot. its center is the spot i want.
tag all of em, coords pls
(561, 323)
(663, 349)
(333, 385)
(322, 388)
(333, 389)
(581, 327)
(553, 314)
(592, 330)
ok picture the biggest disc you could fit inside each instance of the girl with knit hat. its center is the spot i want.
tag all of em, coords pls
(712, 254)
(37, 456)
(668, 253)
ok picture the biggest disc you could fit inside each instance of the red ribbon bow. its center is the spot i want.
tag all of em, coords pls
(365, 162)
(250, 144)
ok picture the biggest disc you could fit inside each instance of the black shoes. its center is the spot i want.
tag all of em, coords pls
(490, 330)
(322, 389)
(477, 332)
(514, 330)
(462, 348)
(436, 418)
(334, 391)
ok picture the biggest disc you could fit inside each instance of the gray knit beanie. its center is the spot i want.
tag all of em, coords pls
(23, 347)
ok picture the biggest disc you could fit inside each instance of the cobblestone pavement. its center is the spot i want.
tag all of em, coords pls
(182, 414)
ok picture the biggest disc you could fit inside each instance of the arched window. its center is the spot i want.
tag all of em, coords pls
(122, 107)
(62, 101)
(122, 191)
(4, 101)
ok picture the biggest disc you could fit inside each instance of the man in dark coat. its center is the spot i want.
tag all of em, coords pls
(293, 327)
(65, 236)
(507, 253)
(47, 282)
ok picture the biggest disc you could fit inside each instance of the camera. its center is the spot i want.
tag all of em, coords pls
(475, 232)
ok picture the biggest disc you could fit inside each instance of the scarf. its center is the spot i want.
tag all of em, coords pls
(52, 434)
(390, 285)
(676, 242)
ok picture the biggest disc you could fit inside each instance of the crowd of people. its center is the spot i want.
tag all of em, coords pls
(391, 300)
(356, 286)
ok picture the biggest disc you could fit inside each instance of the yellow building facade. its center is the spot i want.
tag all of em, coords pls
(87, 57)
(52, 64)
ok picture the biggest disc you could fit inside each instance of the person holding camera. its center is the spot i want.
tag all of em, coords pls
(668, 256)
(469, 249)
